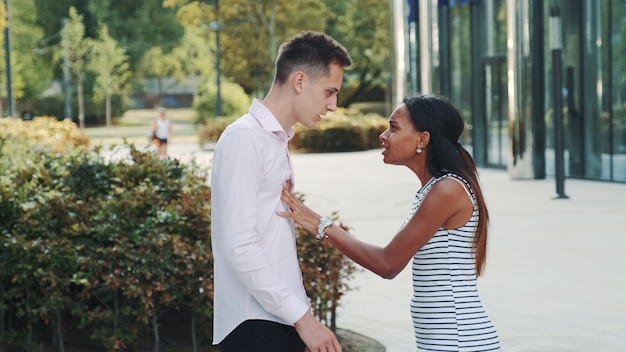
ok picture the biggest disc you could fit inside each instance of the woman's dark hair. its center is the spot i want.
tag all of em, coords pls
(445, 123)
(311, 52)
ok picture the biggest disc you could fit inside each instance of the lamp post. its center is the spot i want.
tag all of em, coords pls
(66, 72)
(7, 51)
(217, 26)
(556, 44)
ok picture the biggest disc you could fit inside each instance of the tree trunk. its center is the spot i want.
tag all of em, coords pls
(194, 337)
(81, 104)
(108, 111)
(155, 327)
(2, 313)
(116, 313)
(29, 320)
(59, 331)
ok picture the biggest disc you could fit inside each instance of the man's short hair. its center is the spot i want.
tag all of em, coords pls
(311, 52)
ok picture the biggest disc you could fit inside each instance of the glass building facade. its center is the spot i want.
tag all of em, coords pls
(494, 59)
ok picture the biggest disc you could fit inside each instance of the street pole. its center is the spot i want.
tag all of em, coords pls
(217, 27)
(218, 105)
(7, 51)
(556, 44)
(66, 71)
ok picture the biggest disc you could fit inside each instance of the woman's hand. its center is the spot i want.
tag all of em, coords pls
(300, 213)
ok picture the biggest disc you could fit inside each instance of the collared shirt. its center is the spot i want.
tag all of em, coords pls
(257, 274)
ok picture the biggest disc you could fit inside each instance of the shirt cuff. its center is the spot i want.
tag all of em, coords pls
(292, 311)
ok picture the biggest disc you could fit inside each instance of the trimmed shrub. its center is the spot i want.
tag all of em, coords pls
(235, 102)
(94, 113)
(341, 131)
(106, 247)
(213, 129)
(43, 131)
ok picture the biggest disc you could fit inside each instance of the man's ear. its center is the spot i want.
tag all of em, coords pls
(297, 80)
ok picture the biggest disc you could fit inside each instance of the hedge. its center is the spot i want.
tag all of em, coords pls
(344, 130)
(98, 247)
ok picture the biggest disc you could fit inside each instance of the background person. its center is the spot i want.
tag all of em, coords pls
(260, 302)
(162, 131)
(445, 234)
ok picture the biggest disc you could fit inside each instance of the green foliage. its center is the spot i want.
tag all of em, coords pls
(213, 128)
(326, 270)
(30, 69)
(104, 242)
(172, 38)
(235, 102)
(95, 113)
(365, 29)
(110, 63)
(43, 132)
(138, 25)
(195, 55)
(249, 59)
(340, 131)
(101, 244)
(78, 46)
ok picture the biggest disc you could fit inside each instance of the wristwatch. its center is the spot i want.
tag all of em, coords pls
(324, 224)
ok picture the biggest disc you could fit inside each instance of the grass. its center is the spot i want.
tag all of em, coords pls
(134, 126)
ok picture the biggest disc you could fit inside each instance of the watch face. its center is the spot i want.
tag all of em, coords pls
(324, 222)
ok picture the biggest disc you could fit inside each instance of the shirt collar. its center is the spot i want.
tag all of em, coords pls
(268, 121)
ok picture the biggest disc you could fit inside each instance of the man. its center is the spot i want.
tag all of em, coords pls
(260, 302)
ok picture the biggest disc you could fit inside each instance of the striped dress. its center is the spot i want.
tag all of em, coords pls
(446, 309)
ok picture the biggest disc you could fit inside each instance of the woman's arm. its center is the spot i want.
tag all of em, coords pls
(443, 205)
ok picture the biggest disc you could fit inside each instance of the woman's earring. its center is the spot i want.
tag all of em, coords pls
(419, 150)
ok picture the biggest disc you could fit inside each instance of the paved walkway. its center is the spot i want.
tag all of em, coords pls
(556, 272)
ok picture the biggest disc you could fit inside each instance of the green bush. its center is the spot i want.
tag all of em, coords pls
(340, 131)
(43, 131)
(101, 246)
(95, 114)
(213, 128)
(235, 102)
(326, 273)
(104, 247)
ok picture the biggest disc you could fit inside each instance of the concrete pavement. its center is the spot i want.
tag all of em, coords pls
(556, 271)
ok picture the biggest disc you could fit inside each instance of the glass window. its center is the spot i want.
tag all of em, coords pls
(615, 144)
(496, 97)
(594, 89)
(461, 62)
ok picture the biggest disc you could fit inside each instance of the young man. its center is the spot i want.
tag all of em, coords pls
(260, 302)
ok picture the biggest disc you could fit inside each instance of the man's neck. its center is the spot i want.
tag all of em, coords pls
(279, 103)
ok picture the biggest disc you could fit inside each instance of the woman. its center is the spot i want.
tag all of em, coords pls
(445, 233)
(161, 132)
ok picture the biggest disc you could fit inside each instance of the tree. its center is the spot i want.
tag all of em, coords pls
(248, 48)
(195, 58)
(110, 63)
(138, 25)
(79, 49)
(31, 72)
(159, 65)
(365, 29)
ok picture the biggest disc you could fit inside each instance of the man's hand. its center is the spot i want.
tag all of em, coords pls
(316, 336)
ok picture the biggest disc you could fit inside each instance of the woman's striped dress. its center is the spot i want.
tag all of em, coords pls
(446, 309)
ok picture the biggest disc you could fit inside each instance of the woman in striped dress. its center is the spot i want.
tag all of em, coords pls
(445, 234)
